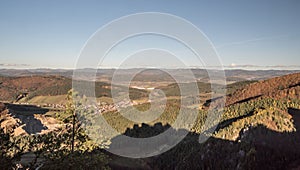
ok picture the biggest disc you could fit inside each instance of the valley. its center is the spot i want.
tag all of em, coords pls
(37, 119)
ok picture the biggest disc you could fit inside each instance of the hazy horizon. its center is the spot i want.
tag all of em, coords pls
(224, 67)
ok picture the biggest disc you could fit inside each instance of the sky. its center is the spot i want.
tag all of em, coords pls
(51, 34)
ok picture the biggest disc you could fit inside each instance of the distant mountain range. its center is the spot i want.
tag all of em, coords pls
(200, 74)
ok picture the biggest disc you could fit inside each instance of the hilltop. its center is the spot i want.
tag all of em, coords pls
(283, 87)
(25, 88)
(287, 86)
(14, 88)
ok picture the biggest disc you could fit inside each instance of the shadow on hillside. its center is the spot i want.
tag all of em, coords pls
(258, 148)
(143, 131)
(286, 142)
(25, 113)
(225, 123)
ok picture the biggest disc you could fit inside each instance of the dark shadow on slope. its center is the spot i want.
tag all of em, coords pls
(25, 113)
(142, 147)
(218, 100)
(209, 101)
(228, 122)
(288, 142)
(295, 85)
(146, 130)
(258, 148)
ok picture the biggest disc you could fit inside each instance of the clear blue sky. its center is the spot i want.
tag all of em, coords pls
(50, 34)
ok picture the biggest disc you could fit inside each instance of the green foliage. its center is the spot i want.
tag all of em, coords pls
(174, 89)
(223, 151)
(95, 159)
(5, 145)
(120, 123)
(51, 90)
(69, 147)
(267, 111)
